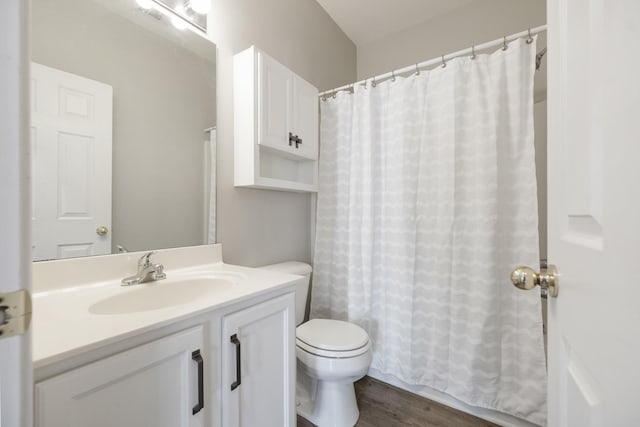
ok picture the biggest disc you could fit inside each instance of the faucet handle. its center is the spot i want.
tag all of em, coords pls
(159, 274)
(144, 260)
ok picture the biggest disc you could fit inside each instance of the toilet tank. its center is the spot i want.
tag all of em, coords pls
(302, 290)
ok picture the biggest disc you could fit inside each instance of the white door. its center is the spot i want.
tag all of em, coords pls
(16, 387)
(159, 384)
(71, 132)
(305, 118)
(258, 365)
(275, 86)
(594, 212)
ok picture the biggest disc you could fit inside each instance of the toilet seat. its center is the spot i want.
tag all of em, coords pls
(332, 338)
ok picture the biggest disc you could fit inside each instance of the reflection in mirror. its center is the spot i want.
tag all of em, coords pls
(123, 130)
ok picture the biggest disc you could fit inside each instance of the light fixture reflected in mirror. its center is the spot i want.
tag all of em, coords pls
(201, 6)
(145, 4)
(182, 14)
(178, 21)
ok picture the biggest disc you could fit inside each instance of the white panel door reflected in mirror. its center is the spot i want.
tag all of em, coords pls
(71, 138)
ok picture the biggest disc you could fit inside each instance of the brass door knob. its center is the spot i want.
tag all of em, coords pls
(527, 278)
(102, 230)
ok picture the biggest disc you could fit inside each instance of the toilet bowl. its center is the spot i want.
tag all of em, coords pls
(331, 356)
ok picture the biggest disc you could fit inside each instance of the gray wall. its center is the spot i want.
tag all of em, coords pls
(257, 227)
(479, 21)
(164, 96)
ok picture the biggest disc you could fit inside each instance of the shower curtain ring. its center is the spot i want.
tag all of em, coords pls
(529, 38)
(473, 52)
(393, 76)
(373, 82)
(444, 63)
(505, 46)
(417, 70)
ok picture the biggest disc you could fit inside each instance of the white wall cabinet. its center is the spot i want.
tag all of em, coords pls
(258, 365)
(275, 125)
(156, 384)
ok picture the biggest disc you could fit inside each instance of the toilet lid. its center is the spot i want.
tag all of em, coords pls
(326, 336)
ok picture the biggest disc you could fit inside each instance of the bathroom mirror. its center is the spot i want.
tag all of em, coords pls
(123, 125)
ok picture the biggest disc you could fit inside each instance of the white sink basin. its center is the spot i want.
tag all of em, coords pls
(163, 294)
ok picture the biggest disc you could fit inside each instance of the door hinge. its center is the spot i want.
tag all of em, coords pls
(15, 313)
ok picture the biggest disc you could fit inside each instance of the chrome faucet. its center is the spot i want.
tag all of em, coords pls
(147, 271)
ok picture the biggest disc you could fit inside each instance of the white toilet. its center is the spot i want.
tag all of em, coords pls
(332, 355)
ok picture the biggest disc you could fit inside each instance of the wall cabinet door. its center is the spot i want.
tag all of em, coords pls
(288, 105)
(258, 365)
(305, 118)
(157, 384)
(275, 93)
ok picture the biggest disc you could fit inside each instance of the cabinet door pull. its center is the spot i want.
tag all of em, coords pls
(238, 381)
(292, 138)
(298, 141)
(197, 357)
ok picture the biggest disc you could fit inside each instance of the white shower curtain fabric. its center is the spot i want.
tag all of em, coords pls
(212, 150)
(427, 200)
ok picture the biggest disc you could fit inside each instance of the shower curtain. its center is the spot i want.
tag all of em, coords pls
(427, 200)
(211, 150)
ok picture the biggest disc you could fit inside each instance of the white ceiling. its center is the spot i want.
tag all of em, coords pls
(367, 20)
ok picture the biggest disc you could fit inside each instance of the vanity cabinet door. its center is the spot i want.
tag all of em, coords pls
(258, 365)
(157, 384)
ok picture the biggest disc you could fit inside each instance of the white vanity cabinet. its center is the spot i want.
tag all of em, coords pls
(156, 384)
(142, 365)
(237, 361)
(258, 365)
(275, 125)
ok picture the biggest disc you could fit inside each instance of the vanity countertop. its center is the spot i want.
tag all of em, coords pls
(72, 315)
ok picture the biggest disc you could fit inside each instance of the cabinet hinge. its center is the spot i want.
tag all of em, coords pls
(15, 313)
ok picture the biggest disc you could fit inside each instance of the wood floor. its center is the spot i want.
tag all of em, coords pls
(382, 405)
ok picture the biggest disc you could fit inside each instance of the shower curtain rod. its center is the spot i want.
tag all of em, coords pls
(443, 59)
